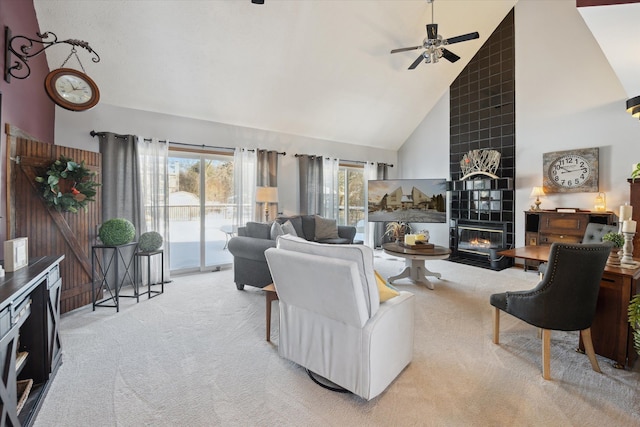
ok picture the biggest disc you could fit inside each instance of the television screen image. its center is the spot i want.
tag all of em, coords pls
(407, 200)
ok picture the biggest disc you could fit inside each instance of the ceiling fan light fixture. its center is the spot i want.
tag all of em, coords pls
(633, 106)
(434, 43)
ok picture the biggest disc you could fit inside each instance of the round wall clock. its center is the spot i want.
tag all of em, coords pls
(571, 171)
(72, 89)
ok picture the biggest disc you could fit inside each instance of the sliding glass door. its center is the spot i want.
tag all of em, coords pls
(351, 198)
(201, 210)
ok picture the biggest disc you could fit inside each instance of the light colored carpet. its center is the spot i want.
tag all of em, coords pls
(197, 356)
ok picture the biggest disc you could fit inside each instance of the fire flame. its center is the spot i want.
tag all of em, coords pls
(482, 243)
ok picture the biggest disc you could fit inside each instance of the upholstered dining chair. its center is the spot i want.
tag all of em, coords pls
(564, 300)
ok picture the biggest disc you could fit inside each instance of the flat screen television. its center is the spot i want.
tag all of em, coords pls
(407, 200)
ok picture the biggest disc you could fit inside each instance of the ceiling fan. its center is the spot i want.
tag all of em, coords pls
(433, 45)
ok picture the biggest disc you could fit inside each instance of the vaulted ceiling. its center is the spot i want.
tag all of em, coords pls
(614, 27)
(316, 68)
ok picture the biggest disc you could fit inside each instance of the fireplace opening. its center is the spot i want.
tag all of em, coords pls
(479, 240)
(478, 243)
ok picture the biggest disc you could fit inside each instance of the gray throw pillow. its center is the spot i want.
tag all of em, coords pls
(326, 228)
(288, 228)
(276, 230)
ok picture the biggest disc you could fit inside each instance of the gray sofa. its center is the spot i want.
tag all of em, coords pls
(249, 262)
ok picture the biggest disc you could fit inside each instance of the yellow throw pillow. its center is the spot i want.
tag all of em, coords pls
(386, 291)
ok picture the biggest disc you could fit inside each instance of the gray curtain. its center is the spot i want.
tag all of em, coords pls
(267, 176)
(120, 179)
(121, 195)
(379, 227)
(311, 179)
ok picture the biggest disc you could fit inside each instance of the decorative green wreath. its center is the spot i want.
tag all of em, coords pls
(67, 185)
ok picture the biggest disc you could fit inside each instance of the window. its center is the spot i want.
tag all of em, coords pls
(351, 186)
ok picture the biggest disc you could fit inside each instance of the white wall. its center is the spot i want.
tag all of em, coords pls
(567, 96)
(426, 155)
(72, 130)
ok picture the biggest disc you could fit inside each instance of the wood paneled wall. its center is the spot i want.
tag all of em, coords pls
(51, 232)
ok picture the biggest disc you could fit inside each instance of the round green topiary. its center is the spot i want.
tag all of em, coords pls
(117, 231)
(150, 241)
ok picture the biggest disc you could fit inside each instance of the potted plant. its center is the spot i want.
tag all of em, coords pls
(635, 173)
(397, 230)
(618, 241)
(634, 321)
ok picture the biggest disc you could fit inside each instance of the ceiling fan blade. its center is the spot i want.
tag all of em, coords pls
(416, 62)
(404, 49)
(463, 38)
(432, 31)
(449, 56)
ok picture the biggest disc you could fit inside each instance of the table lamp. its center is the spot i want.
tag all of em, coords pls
(267, 195)
(600, 203)
(537, 192)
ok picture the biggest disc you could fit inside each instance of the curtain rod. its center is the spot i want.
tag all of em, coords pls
(94, 133)
(346, 161)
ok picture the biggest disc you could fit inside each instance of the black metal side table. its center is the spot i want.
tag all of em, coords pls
(138, 272)
(107, 277)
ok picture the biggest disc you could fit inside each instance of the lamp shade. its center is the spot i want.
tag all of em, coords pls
(267, 194)
(537, 192)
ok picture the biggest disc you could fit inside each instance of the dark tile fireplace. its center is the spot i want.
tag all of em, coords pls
(482, 117)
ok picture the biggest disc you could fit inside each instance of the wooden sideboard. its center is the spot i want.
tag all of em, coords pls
(30, 350)
(547, 227)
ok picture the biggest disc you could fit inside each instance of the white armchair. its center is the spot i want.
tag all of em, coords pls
(331, 319)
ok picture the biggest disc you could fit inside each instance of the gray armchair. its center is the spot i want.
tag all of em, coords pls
(565, 299)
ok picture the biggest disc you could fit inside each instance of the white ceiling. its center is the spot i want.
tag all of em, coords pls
(317, 68)
(614, 28)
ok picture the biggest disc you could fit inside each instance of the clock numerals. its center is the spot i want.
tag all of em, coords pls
(569, 171)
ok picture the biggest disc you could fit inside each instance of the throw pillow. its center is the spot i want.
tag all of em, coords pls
(288, 228)
(326, 228)
(276, 230)
(386, 290)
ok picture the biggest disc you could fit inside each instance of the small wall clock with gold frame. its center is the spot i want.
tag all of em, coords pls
(571, 171)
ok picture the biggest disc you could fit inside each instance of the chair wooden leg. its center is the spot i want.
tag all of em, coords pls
(496, 325)
(588, 348)
(546, 354)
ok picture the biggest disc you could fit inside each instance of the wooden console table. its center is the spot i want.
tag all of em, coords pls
(610, 331)
(30, 350)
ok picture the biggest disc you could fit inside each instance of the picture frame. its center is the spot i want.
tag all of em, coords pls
(16, 254)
